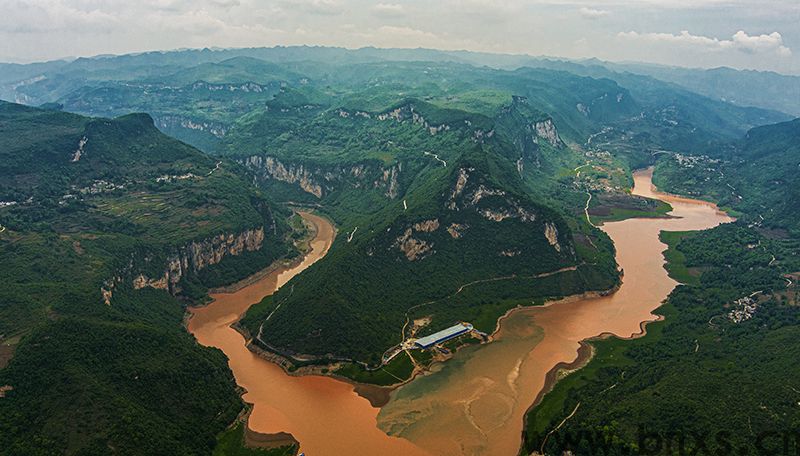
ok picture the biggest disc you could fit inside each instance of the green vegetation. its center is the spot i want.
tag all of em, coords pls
(231, 443)
(756, 176)
(458, 190)
(698, 373)
(676, 260)
(89, 375)
(398, 370)
(615, 210)
(380, 169)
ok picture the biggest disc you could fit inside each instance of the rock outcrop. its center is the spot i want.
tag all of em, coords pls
(320, 181)
(190, 258)
(171, 121)
(546, 130)
(551, 233)
(76, 156)
(416, 249)
(457, 230)
(291, 174)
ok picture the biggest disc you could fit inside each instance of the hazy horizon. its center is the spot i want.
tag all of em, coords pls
(697, 34)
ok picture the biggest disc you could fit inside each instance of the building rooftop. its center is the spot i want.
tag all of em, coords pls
(443, 335)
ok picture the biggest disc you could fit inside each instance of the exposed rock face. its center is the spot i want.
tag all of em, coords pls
(390, 176)
(5, 389)
(413, 248)
(142, 282)
(76, 156)
(547, 131)
(408, 113)
(290, 174)
(456, 230)
(461, 181)
(193, 257)
(482, 191)
(321, 181)
(551, 233)
(215, 129)
(244, 87)
(428, 226)
(500, 215)
(107, 292)
(200, 255)
(461, 199)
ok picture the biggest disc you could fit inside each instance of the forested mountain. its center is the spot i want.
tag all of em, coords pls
(763, 89)
(104, 223)
(757, 175)
(469, 221)
(198, 95)
(428, 195)
(376, 135)
(459, 191)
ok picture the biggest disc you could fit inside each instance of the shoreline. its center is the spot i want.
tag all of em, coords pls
(585, 354)
(251, 438)
(565, 299)
(586, 350)
(379, 395)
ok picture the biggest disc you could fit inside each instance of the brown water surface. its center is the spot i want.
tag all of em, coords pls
(324, 414)
(476, 403)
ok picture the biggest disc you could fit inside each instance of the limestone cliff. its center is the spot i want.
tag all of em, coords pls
(189, 258)
(546, 130)
(171, 121)
(323, 180)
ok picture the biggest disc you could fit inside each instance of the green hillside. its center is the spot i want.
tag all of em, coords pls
(700, 381)
(461, 185)
(419, 224)
(199, 95)
(92, 212)
(757, 176)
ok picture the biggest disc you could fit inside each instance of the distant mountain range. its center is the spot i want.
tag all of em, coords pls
(763, 89)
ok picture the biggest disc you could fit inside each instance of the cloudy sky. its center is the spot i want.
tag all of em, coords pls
(755, 34)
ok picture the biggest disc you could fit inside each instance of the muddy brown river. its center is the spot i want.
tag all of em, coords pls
(473, 404)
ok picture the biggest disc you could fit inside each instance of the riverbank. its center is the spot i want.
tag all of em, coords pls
(481, 407)
(477, 401)
(324, 414)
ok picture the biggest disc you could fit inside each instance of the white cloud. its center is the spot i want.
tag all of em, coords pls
(42, 29)
(408, 36)
(388, 9)
(740, 41)
(591, 13)
(322, 7)
(756, 44)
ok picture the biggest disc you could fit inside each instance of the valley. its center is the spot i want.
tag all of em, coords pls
(474, 403)
(242, 252)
